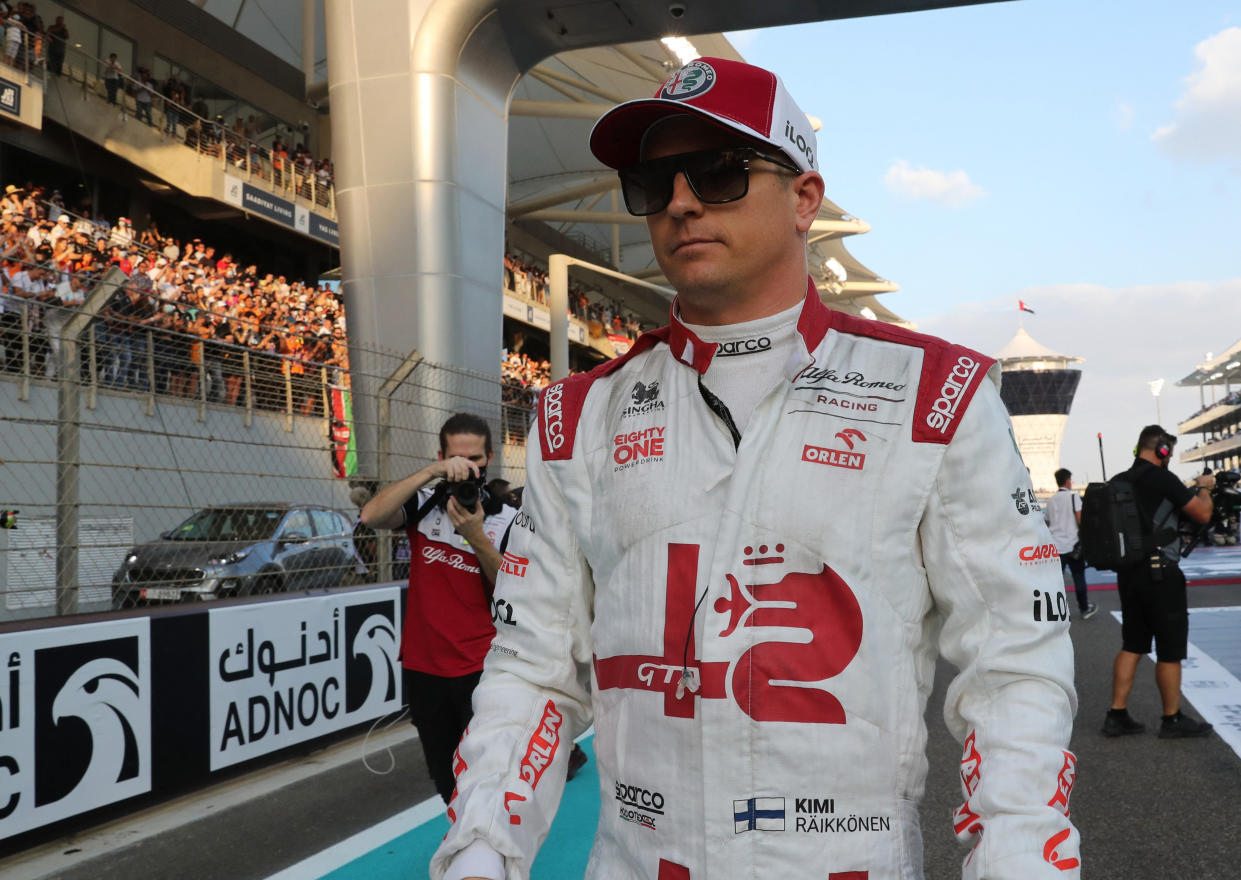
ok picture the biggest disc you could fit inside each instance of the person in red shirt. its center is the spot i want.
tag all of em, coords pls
(453, 565)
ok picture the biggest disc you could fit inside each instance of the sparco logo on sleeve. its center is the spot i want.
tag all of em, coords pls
(553, 417)
(944, 409)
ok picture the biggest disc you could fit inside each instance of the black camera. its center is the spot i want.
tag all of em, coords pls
(469, 493)
(1225, 515)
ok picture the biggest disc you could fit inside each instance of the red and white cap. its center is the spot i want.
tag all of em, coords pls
(731, 94)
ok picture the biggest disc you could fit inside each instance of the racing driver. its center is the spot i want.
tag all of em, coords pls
(742, 544)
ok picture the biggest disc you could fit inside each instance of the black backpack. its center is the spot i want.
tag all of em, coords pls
(1112, 531)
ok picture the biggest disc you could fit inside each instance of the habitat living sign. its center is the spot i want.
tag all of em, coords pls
(317, 667)
(259, 201)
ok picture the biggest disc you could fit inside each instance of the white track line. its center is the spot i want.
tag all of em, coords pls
(326, 861)
(1214, 691)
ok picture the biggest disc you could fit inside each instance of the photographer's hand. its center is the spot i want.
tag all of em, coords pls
(454, 469)
(1205, 481)
(469, 524)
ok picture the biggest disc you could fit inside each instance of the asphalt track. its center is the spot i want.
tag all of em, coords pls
(1147, 808)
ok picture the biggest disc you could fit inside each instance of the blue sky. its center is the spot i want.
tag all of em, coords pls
(1082, 156)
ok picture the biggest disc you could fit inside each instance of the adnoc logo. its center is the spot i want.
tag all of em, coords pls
(692, 80)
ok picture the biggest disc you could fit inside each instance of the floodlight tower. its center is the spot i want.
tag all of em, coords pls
(1038, 390)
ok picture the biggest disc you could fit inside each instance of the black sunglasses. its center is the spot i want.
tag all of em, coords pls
(715, 176)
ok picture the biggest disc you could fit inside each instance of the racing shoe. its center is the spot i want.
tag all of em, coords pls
(577, 760)
(1119, 723)
(1089, 611)
(1180, 725)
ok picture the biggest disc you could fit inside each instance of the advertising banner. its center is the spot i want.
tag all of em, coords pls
(323, 664)
(75, 720)
(10, 97)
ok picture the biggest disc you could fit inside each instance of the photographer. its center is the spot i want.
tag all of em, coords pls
(1153, 603)
(453, 565)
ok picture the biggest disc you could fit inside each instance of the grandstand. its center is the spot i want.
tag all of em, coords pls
(1218, 419)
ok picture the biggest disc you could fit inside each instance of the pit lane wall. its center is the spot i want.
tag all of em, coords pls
(102, 715)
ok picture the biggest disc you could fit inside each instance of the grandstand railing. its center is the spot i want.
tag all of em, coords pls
(212, 139)
(113, 432)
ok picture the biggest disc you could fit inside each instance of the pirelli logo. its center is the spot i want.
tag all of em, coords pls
(515, 565)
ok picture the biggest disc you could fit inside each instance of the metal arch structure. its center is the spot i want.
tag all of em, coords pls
(420, 93)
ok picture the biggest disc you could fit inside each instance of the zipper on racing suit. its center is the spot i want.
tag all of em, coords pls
(717, 406)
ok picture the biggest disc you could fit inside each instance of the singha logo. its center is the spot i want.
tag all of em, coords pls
(644, 398)
(644, 393)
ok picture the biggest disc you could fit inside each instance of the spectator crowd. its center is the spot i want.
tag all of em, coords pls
(27, 42)
(529, 282)
(192, 321)
(186, 311)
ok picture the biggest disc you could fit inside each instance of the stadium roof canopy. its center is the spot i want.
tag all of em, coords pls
(1224, 369)
(552, 177)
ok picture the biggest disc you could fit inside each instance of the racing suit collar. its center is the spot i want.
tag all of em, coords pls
(812, 325)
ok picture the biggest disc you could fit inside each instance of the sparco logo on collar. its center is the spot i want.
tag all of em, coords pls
(553, 417)
(944, 409)
(736, 347)
(692, 80)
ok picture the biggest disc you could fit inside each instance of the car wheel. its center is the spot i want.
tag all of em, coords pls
(268, 584)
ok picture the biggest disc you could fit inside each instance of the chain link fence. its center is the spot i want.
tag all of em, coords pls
(145, 462)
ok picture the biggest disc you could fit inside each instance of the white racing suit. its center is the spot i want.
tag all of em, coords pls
(798, 578)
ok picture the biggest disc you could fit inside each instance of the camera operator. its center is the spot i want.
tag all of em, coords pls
(1153, 603)
(453, 564)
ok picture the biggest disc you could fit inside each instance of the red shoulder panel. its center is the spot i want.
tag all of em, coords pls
(950, 376)
(560, 404)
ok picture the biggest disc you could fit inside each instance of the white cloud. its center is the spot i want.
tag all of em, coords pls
(1208, 112)
(952, 188)
(1128, 337)
(1123, 115)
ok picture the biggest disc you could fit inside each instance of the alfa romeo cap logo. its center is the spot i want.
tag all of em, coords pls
(692, 80)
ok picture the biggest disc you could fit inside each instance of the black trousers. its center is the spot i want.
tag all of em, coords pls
(440, 708)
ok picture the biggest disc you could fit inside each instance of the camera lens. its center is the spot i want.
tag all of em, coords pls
(466, 493)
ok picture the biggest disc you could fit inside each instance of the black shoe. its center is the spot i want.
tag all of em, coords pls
(1119, 723)
(1089, 611)
(1181, 725)
(577, 760)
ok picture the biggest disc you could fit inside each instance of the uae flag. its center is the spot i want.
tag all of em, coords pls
(1025, 308)
(344, 446)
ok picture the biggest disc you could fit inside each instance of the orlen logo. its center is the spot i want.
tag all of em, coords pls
(944, 409)
(553, 417)
(515, 565)
(542, 747)
(835, 457)
(692, 80)
(636, 446)
(539, 754)
(1037, 553)
(1064, 784)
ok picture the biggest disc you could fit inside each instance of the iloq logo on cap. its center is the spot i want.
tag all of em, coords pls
(692, 80)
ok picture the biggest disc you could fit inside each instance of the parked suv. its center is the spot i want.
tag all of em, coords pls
(240, 550)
